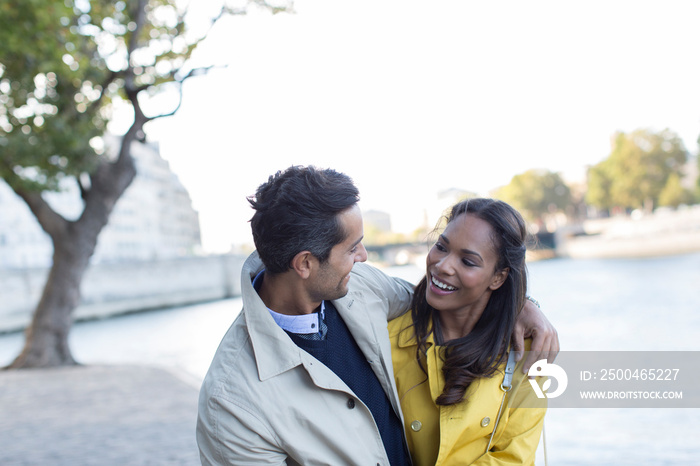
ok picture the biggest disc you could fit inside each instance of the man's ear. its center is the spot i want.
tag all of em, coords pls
(499, 279)
(303, 264)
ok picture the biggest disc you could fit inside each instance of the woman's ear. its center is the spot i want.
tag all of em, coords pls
(499, 279)
(303, 264)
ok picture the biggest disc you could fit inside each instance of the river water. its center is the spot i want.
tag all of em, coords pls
(648, 304)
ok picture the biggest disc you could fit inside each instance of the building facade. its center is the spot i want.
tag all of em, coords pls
(153, 220)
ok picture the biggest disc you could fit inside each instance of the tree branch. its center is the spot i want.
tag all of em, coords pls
(262, 4)
(50, 221)
(139, 15)
(94, 106)
(192, 73)
(84, 188)
(139, 19)
(132, 92)
(108, 182)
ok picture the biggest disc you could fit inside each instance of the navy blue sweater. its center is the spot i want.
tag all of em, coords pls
(340, 353)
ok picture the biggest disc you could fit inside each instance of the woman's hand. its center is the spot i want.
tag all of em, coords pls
(531, 323)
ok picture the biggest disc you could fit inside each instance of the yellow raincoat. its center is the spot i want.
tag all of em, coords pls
(459, 434)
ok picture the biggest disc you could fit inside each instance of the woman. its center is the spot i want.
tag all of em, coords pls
(450, 352)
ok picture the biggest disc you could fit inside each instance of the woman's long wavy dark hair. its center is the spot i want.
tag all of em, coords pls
(479, 353)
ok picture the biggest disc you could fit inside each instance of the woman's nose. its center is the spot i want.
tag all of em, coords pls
(445, 265)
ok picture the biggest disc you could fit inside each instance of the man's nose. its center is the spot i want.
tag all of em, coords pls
(361, 255)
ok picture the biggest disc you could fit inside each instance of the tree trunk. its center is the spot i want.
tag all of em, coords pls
(46, 339)
(46, 342)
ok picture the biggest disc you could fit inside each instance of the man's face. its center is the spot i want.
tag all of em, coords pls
(332, 277)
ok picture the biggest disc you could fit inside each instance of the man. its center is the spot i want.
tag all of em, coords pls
(304, 376)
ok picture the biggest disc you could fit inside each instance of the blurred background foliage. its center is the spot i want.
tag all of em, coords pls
(644, 170)
(63, 65)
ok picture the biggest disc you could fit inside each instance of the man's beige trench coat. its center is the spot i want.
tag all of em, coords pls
(266, 401)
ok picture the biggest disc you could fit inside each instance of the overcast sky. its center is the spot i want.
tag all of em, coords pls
(410, 98)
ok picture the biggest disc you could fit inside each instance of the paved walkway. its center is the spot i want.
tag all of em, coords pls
(97, 415)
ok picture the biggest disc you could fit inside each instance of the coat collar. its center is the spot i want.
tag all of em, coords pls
(274, 351)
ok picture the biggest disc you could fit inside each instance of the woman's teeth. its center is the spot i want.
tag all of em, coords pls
(442, 286)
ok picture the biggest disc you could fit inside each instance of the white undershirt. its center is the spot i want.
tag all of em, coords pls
(306, 323)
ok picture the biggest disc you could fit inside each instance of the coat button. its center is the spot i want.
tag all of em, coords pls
(351, 403)
(485, 421)
(416, 426)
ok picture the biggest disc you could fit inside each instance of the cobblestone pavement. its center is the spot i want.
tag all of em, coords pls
(97, 415)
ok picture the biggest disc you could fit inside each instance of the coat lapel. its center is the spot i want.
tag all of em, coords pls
(369, 329)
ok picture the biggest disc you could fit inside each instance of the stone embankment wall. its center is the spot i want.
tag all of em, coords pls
(112, 289)
(666, 232)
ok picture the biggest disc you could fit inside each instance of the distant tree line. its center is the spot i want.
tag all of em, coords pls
(643, 171)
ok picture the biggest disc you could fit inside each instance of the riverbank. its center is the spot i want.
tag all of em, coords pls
(97, 415)
(664, 233)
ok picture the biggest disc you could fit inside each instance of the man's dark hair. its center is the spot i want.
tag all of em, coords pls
(297, 210)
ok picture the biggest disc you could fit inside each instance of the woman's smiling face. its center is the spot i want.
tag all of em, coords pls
(461, 267)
